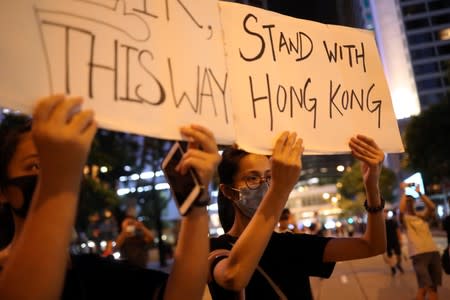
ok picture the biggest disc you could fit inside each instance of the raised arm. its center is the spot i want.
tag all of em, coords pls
(190, 270)
(235, 272)
(430, 207)
(403, 200)
(62, 135)
(373, 242)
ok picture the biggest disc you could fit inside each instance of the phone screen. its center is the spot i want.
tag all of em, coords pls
(181, 185)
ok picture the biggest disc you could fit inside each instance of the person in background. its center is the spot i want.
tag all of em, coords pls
(421, 246)
(134, 242)
(41, 187)
(393, 246)
(287, 222)
(446, 227)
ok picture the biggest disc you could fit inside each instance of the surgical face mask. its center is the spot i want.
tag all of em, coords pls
(249, 199)
(27, 185)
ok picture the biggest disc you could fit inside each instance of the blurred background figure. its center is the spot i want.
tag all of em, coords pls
(393, 246)
(287, 222)
(134, 242)
(421, 246)
(446, 227)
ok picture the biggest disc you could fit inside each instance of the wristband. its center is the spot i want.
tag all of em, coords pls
(203, 200)
(374, 209)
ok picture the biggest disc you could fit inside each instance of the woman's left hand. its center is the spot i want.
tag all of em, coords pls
(202, 154)
(371, 156)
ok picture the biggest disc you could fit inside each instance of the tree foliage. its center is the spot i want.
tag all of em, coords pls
(352, 186)
(94, 197)
(428, 144)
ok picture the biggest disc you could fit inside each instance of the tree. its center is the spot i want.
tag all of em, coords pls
(115, 150)
(94, 196)
(427, 142)
(152, 153)
(352, 187)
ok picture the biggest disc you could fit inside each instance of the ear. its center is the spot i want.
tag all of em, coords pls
(225, 189)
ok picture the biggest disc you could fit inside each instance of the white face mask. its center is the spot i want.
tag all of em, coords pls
(249, 199)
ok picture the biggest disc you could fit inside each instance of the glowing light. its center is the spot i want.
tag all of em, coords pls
(103, 169)
(307, 223)
(340, 168)
(334, 199)
(147, 175)
(398, 100)
(313, 180)
(162, 186)
(440, 211)
(124, 191)
(330, 224)
(116, 255)
(326, 196)
(91, 244)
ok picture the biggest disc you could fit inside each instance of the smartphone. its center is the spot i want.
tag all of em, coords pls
(185, 188)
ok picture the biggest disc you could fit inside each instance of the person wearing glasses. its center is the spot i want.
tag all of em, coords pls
(252, 259)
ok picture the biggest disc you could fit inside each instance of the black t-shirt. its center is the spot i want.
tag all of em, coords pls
(135, 250)
(289, 259)
(446, 225)
(94, 277)
(391, 232)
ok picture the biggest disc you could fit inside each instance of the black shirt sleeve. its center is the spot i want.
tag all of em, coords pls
(302, 252)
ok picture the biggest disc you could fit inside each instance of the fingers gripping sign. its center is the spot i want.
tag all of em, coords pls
(61, 129)
(371, 156)
(286, 159)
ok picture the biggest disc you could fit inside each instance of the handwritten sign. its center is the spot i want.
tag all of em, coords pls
(324, 82)
(147, 67)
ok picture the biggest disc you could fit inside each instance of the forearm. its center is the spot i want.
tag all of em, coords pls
(235, 272)
(428, 202)
(375, 233)
(40, 255)
(148, 235)
(190, 269)
(403, 199)
(121, 239)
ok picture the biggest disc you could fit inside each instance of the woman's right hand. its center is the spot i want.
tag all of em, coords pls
(286, 162)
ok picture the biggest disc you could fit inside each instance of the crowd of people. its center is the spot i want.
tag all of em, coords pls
(39, 185)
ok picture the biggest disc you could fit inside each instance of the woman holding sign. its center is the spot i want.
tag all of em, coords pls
(40, 172)
(271, 265)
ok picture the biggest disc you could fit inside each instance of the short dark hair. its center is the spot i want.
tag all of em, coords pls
(11, 129)
(227, 169)
(285, 214)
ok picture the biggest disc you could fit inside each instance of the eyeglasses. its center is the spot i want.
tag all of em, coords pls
(254, 181)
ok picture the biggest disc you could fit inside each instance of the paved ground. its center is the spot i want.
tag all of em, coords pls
(371, 279)
(368, 279)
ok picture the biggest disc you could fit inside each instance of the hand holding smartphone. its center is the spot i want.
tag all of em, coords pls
(186, 189)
